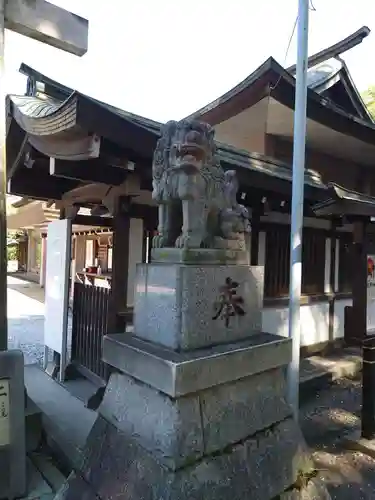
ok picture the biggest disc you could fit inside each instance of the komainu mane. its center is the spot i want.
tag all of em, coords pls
(196, 198)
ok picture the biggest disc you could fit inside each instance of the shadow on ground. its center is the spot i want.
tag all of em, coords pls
(30, 290)
(325, 420)
(26, 333)
(347, 475)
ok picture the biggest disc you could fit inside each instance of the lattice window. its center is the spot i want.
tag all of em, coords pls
(277, 261)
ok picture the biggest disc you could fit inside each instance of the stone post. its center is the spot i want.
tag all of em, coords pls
(368, 389)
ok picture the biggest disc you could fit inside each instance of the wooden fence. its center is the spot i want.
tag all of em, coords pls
(90, 317)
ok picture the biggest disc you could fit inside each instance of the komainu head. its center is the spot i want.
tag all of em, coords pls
(187, 145)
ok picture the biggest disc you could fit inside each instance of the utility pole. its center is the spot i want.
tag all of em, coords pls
(299, 146)
(3, 184)
(54, 26)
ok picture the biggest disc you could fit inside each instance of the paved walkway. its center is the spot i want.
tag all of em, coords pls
(26, 318)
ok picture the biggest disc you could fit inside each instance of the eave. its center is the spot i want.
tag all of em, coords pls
(32, 216)
(352, 90)
(133, 133)
(331, 73)
(129, 130)
(342, 202)
(273, 80)
(50, 125)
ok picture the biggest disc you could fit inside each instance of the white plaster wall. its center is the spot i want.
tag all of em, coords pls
(339, 316)
(338, 325)
(314, 320)
(135, 255)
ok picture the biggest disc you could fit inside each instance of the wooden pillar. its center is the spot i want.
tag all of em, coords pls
(358, 329)
(150, 225)
(332, 283)
(30, 251)
(254, 251)
(80, 256)
(43, 261)
(120, 268)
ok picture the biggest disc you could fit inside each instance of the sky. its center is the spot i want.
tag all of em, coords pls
(164, 59)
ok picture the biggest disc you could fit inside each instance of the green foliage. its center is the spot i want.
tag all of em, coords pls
(369, 100)
(12, 252)
(12, 249)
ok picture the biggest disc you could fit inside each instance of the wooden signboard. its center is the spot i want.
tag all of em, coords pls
(4, 412)
(59, 244)
(12, 425)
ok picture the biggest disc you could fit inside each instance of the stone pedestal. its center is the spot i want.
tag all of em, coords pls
(192, 306)
(197, 408)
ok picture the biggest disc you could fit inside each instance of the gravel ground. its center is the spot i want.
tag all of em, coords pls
(325, 420)
(26, 319)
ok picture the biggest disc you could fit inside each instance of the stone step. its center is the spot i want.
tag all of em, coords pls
(316, 372)
(33, 421)
(313, 381)
(43, 477)
(66, 422)
(344, 363)
(47, 468)
(37, 486)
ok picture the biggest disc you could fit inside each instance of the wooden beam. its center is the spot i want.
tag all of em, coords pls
(258, 180)
(49, 24)
(332, 281)
(90, 171)
(350, 209)
(137, 211)
(29, 183)
(359, 284)
(120, 270)
(335, 50)
(254, 250)
(139, 141)
(92, 220)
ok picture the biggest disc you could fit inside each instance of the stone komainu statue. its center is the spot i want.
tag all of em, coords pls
(196, 198)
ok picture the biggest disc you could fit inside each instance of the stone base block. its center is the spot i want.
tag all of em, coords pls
(177, 431)
(186, 307)
(180, 373)
(191, 256)
(258, 468)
